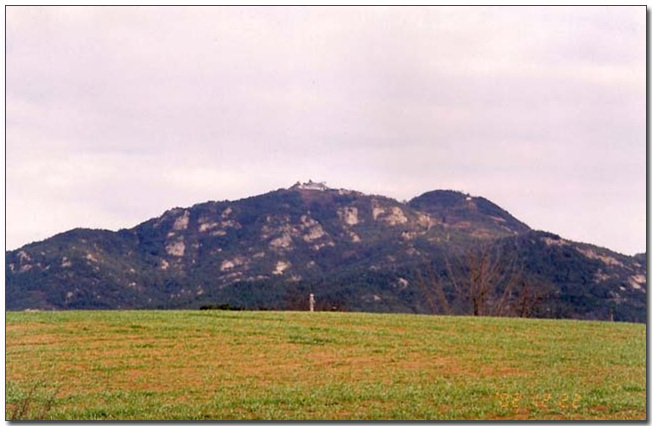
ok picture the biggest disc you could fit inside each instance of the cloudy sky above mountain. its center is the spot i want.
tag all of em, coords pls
(115, 115)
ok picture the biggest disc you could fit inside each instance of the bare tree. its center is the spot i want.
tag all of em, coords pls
(530, 296)
(432, 287)
(485, 281)
(493, 277)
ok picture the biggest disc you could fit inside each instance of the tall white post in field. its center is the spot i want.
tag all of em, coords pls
(312, 302)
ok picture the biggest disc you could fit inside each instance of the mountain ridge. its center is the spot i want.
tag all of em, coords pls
(354, 251)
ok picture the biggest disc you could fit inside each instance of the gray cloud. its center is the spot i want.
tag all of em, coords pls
(116, 114)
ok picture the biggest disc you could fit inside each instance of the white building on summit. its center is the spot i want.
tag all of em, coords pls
(315, 186)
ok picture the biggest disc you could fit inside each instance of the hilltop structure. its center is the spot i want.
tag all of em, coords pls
(314, 186)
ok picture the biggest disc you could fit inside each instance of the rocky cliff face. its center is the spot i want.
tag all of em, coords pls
(354, 251)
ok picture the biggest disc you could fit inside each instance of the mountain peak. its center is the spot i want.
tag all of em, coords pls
(458, 209)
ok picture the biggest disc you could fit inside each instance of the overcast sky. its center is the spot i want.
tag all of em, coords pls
(115, 115)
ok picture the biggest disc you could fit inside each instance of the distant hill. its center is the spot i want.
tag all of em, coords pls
(354, 251)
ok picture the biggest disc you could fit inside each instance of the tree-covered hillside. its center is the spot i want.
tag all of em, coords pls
(442, 252)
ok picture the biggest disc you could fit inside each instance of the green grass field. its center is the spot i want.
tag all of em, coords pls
(195, 365)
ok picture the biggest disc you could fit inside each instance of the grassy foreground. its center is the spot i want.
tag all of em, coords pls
(195, 365)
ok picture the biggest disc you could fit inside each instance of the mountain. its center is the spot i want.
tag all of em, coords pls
(352, 250)
(479, 216)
